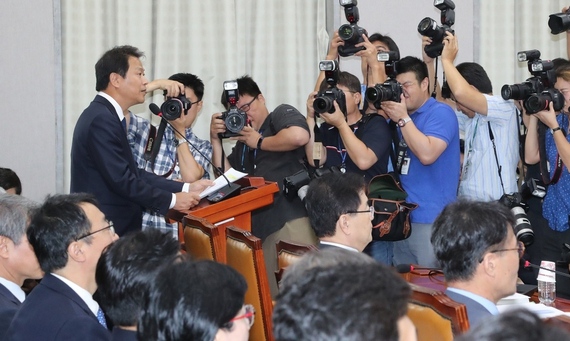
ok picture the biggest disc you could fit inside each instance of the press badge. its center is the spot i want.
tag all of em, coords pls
(405, 166)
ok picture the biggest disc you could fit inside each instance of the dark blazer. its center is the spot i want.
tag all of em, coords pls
(102, 164)
(53, 311)
(119, 334)
(9, 305)
(475, 311)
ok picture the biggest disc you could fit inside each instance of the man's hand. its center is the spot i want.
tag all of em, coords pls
(548, 117)
(336, 41)
(335, 119)
(249, 136)
(425, 42)
(450, 48)
(369, 55)
(396, 111)
(172, 88)
(217, 126)
(200, 185)
(310, 108)
(186, 200)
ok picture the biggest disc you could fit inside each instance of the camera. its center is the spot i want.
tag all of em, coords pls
(324, 100)
(350, 33)
(390, 90)
(234, 119)
(429, 28)
(537, 91)
(523, 229)
(296, 185)
(173, 107)
(559, 22)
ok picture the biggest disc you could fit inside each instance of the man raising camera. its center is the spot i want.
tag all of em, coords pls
(270, 146)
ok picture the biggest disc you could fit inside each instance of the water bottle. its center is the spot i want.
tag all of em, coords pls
(546, 292)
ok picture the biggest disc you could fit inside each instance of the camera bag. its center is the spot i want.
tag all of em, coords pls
(391, 211)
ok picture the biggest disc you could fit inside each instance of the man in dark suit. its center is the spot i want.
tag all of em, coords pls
(101, 159)
(68, 234)
(339, 212)
(17, 259)
(125, 272)
(475, 244)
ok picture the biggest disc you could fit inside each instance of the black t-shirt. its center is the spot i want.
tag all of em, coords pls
(375, 134)
(273, 166)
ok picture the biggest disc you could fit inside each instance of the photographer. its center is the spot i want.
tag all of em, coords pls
(556, 204)
(175, 159)
(491, 131)
(271, 147)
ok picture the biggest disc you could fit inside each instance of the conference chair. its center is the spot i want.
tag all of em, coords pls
(436, 316)
(244, 253)
(288, 253)
(203, 240)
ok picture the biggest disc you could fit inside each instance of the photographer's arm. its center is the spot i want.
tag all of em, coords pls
(464, 93)
(531, 155)
(336, 41)
(430, 63)
(310, 146)
(190, 170)
(285, 140)
(548, 117)
(218, 126)
(373, 71)
(172, 88)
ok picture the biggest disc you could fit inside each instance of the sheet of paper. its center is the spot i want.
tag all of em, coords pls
(540, 309)
(231, 174)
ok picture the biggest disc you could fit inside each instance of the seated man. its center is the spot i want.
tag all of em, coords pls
(356, 299)
(17, 259)
(68, 233)
(125, 272)
(475, 245)
(339, 212)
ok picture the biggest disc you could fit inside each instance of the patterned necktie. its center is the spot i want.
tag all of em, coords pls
(124, 123)
(101, 318)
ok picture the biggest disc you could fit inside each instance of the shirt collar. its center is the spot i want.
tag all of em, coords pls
(84, 294)
(14, 289)
(114, 103)
(490, 306)
(339, 245)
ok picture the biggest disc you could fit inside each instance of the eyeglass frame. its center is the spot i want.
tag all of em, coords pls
(520, 249)
(111, 227)
(249, 314)
(369, 211)
(247, 106)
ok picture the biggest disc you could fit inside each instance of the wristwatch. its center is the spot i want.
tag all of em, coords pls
(178, 142)
(402, 122)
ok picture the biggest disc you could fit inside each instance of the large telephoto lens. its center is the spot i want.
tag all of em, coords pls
(523, 229)
(516, 91)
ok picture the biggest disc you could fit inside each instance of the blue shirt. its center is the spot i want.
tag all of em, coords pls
(434, 186)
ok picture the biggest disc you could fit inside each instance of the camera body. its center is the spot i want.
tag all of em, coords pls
(324, 100)
(429, 27)
(523, 229)
(350, 33)
(297, 184)
(173, 107)
(390, 90)
(537, 91)
(234, 118)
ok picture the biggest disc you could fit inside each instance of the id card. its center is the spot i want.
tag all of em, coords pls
(405, 166)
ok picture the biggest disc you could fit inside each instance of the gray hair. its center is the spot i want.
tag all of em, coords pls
(15, 215)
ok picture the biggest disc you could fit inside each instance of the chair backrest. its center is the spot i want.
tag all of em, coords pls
(436, 316)
(203, 240)
(288, 253)
(244, 253)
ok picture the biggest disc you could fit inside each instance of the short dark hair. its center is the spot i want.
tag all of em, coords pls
(346, 79)
(190, 81)
(415, 65)
(247, 86)
(464, 231)
(518, 324)
(9, 179)
(361, 301)
(392, 46)
(55, 225)
(115, 60)
(192, 301)
(475, 75)
(15, 214)
(331, 196)
(127, 269)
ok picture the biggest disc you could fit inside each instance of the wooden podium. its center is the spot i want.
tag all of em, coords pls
(255, 193)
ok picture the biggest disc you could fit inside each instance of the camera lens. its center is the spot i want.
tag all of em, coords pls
(346, 32)
(523, 229)
(371, 94)
(323, 104)
(235, 121)
(427, 26)
(536, 103)
(171, 109)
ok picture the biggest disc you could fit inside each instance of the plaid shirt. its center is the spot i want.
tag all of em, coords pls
(165, 162)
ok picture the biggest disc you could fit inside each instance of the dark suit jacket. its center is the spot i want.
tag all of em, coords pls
(102, 164)
(123, 335)
(475, 311)
(53, 311)
(9, 305)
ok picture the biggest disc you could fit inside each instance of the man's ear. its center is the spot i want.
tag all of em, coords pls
(489, 264)
(6, 244)
(76, 252)
(344, 224)
(115, 79)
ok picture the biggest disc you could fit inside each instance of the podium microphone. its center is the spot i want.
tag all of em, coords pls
(229, 190)
(529, 264)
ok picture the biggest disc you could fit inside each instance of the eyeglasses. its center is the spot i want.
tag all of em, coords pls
(111, 227)
(520, 249)
(249, 315)
(370, 211)
(246, 107)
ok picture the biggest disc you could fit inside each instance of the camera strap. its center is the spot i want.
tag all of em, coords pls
(544, 169)
(395, 142)
(499, 168)
(152, 151)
